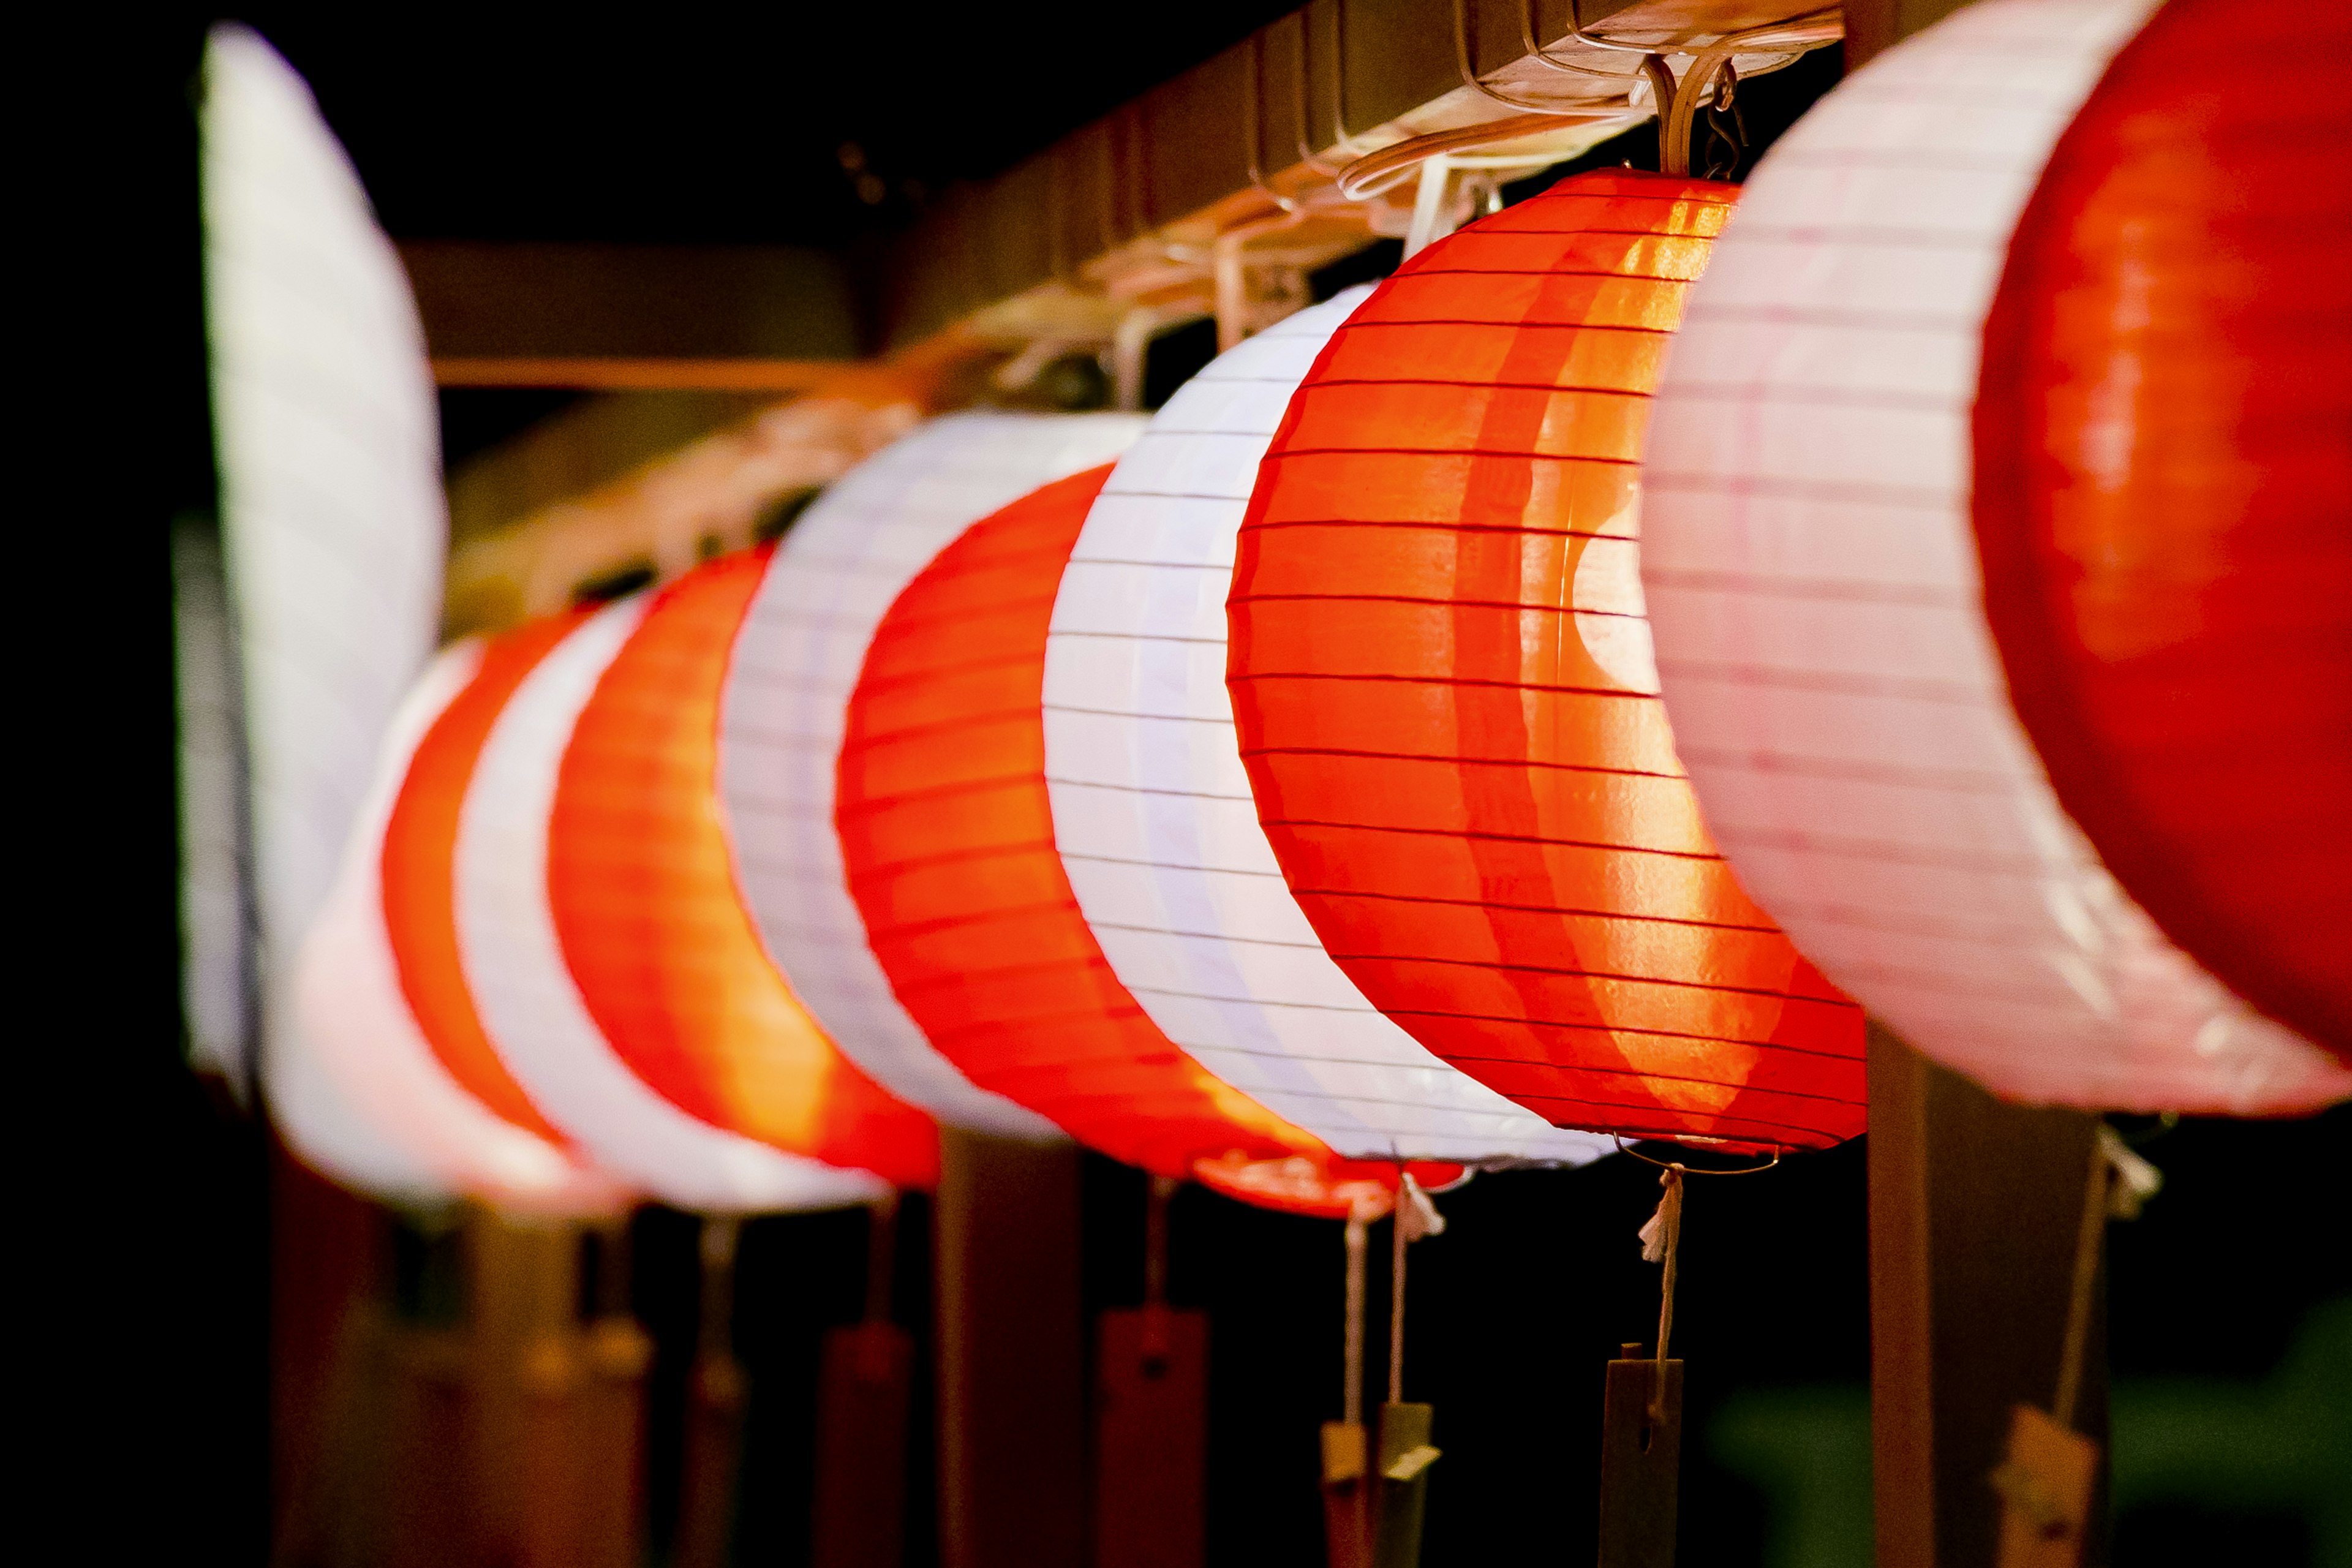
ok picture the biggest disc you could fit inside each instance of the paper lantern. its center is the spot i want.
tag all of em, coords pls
(946, 834)
(530, 1004)
(1442, 678)
(333, 527)
(641, 885)
(358, 988)
(2163, 448)
(1151, 808)
(1814, 590)
(795, 662)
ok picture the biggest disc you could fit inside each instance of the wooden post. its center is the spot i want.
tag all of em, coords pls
(1011, 1347)
(1976, 1213)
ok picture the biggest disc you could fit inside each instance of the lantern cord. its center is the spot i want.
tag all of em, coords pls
(1155, 1240)
(1662, 1243)
(1399, 1227)
(1351, 1402)
(2119, 1183)
(881, 1254)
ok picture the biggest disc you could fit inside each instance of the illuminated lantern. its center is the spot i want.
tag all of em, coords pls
(534, 1004)
(641, 883)
(795, 662)
(333, 527)
(1814, 587)
(379, 989)
(1151, 808)
(947, 832)
(1442, 677)
(2163, 450)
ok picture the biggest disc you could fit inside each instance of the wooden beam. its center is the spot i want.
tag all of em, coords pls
(1011, 1350)
(1974, 1211)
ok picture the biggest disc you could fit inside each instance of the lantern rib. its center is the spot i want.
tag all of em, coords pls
(1570, 910)
(1448, 681)
(1609, 1029)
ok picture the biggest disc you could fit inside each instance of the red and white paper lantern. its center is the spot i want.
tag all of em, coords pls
(1815, 593)
(1152, 812)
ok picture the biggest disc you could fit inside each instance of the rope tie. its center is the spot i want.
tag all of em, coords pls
(1660, 1243)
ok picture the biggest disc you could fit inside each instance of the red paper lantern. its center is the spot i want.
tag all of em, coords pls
(1442, 673)
(642, 885)
(2163, 454)
(947, 834)
(419, 873)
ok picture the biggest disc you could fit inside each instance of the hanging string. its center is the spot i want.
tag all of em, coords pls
(1660, 1243)
(1351, 1403)
(2120, 1181)
(1396, 1291)
(881, 1254)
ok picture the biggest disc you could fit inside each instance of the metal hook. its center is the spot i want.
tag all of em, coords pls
(1468, 68)
(1527, 38)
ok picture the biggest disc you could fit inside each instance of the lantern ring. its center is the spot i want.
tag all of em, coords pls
(1625, 1148)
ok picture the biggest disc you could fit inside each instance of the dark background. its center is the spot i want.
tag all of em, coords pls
(139, 1262)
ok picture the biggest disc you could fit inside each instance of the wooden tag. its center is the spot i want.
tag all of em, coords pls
(864, 1381)
(1347, 1498)
(1151, 1438)
(1403, 1485)
(1641, 1461)
(2045, 1487)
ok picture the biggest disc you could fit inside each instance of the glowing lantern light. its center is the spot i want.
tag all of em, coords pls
(947, 833)
(1151, 808)
(531, 1006)
(333, 526)
(1813, 584)
(642, 888)
(795, 662)
(1442, 678)
(2161, 463)
(358, 991)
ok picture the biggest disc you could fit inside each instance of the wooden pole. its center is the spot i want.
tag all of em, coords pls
(1011, 1346)
(1976, 1215)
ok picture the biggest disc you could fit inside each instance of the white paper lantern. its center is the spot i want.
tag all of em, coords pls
(1813, 589)
(333, 525)
(529, 1004)
(351, 1008)
(795, 666)
(1152, 812)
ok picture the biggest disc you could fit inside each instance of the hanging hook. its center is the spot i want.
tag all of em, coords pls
(1527, 38)
(1466, 64)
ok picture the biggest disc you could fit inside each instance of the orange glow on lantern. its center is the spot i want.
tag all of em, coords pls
(1440, 668)
(642, 885)
(947, 832)
(419, 872)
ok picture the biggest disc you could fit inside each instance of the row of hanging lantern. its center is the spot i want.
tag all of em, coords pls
(1452, 731)
(961, 805)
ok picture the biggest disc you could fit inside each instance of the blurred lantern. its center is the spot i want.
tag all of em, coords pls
(1814, 584)
(642, 889)
(788, 681)
(524, 983)
(380, 991)
(2163, 450)
(947, 832)
(1442, 677)
(1152, 807)
(333, 529)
